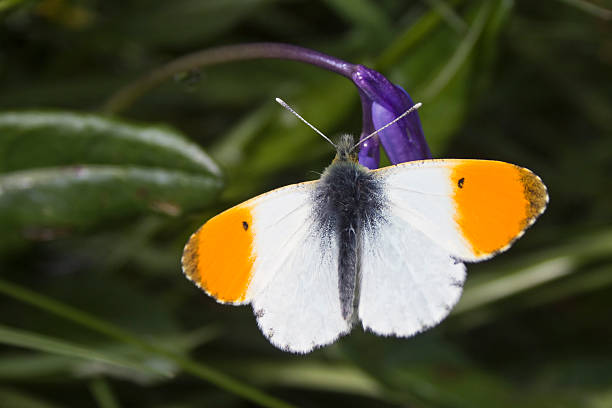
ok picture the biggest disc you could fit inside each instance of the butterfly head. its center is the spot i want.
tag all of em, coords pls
(345, 149)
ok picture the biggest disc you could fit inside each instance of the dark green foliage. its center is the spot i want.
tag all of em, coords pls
(94, 210)
(62, 173)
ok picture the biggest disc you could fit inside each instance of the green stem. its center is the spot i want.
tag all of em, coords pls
(205, 373)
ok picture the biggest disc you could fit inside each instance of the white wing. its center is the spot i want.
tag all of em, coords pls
(267, 252)
(294, 290)
(408, 282)
(439, 213)
(473, 208)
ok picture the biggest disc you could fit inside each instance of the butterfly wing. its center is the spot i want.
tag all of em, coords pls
(408, 282)
(267, 252)
(472, 208)
(440, 212)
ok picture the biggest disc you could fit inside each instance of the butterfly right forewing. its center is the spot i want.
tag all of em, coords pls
(473, 208)
(438, 214)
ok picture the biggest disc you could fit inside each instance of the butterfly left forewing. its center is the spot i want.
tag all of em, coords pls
(269, 252)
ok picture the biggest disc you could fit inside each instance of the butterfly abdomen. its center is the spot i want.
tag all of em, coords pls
(348, 199)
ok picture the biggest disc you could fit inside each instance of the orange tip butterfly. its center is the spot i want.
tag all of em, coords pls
(382, 247)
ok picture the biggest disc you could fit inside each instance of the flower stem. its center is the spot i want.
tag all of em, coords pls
(127, 95)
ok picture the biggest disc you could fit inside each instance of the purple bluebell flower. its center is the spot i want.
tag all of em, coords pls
(381, 100)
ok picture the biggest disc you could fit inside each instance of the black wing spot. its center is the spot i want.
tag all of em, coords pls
(460, 182)
(456, 283)
(245, 225)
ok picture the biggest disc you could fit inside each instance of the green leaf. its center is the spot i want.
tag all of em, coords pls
(46, 203)
(35, 341)
(65, 172)
(47, 139)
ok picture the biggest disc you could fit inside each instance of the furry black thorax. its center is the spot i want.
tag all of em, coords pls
(348, 202)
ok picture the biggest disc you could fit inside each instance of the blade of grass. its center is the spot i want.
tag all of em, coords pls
(361, 13)
(589, 281)
(509, 285)
(409, 38)
(315, 375)
(320, 376)
(590, 8)
(11, 397)
(461, 54)
(103, 394)
(197, 369)
(453, 19)
(33, 365)
(543, 267)
(581, 283)
(21, 338)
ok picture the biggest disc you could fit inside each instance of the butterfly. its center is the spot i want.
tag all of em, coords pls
(383, 247)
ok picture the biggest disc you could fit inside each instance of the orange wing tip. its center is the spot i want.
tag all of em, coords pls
(535, 193)
(219, 257)
(495, 202)
(189, 260)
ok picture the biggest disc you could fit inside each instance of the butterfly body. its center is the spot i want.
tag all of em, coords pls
(347, 200)
(385, 247)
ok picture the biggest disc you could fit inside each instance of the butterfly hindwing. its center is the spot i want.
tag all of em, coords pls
(408, 282)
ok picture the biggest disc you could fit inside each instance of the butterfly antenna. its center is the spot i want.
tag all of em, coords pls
(412, 109)
(284, 105)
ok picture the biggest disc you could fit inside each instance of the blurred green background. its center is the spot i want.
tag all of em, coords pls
(97, 201)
